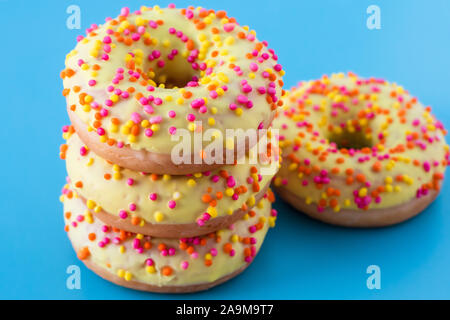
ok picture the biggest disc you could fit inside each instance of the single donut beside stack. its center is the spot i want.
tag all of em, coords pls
(135, 216)
(358, 152)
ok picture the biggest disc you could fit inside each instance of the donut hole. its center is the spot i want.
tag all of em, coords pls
(350, 139)
(170, 69)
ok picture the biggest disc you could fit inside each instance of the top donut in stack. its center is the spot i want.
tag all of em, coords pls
(139, 81)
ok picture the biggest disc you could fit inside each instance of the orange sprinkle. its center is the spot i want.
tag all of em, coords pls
(79, 184)
(360, 178)
(166, 271)
(83, 253)
(376, 166)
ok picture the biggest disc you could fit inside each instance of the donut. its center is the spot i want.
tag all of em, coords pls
(155, 264)
(168, 206)
(137, 81)
(358, 152)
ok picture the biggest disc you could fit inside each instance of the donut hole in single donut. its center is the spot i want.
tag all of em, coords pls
(350, 139)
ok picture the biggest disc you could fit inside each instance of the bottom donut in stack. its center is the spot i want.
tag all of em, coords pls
(165, 264)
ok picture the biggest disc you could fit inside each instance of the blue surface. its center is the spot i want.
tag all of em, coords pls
(301, 258)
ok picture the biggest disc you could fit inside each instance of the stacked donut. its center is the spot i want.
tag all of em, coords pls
(134, 215)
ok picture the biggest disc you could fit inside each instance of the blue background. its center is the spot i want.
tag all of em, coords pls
(301, 258)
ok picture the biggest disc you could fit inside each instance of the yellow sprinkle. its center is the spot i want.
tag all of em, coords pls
(150, 269)
(251, 201)
(90, 204)
(272, 222)
(121, 273)
(229, 192)
(159, 216)
(229, 143)
(128, 276)
(362, 192)
(212, 211)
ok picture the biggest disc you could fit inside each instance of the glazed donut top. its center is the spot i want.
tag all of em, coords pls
(139, 77)
(160, 199)
(358, 143)
(160, 261)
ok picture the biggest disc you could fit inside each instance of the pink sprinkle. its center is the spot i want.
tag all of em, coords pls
(242, 99)
(228, 27)
(184, 265)
(123, 214)
(130, 181)
(83, 151)
(136, 117)
(197, 103)
(172, 130)
(153, 196)
(124, 11)
(171, 114)
(171, 204)
(148, 132)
